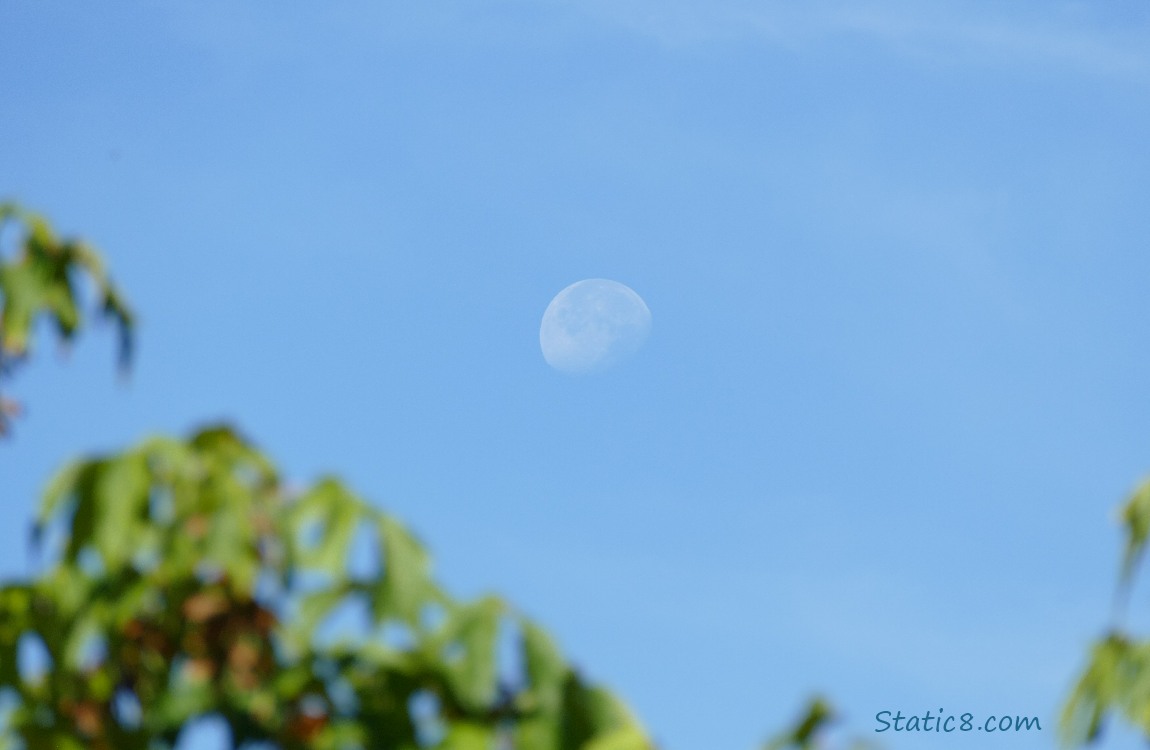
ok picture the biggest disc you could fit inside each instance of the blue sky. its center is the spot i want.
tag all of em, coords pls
(895, 259)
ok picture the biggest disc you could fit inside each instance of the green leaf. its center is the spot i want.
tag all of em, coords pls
(625, 738)
(405, 586)
(15, 620)
(468, 736)
(22, 291)
(333, 512)
(49, 738)
(546, 669)
(80, 634)
(122, 488)
(67, 588)
(537, 733)
(313, 608)
(589, 712)
(82, 531)
(817, 715)
(182, 702)
(1096, 692)
(168, 458)
(341, 735)
(1135, 516)
(41, 281)
(58, 493)
(232, 540)
(474, 674)
(60, 299)
(291, 681)
(40, 234)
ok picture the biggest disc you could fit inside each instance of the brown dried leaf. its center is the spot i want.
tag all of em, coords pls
(204, 606)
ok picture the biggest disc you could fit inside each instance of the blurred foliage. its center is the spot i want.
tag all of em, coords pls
(1116, 678)
(40, 282)
(183, 579)
(810, 728)
(806, 733)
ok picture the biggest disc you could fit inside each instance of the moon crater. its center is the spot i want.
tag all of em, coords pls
(592, 325)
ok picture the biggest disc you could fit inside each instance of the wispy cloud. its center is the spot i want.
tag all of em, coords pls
(1068, 34)
(1065, 38)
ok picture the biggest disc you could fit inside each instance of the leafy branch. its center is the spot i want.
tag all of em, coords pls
(1116, 678)
(41, 281)
(183, 579)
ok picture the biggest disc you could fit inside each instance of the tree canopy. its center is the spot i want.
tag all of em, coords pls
(187, 579)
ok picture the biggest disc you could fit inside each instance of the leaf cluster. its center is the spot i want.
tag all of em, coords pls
(184, 579)
(1116, 678)
(40, 281)
(808, 731)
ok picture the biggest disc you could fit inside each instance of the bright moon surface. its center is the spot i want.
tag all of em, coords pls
(592, 325)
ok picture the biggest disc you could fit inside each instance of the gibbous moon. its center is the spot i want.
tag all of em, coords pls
(592, 325)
